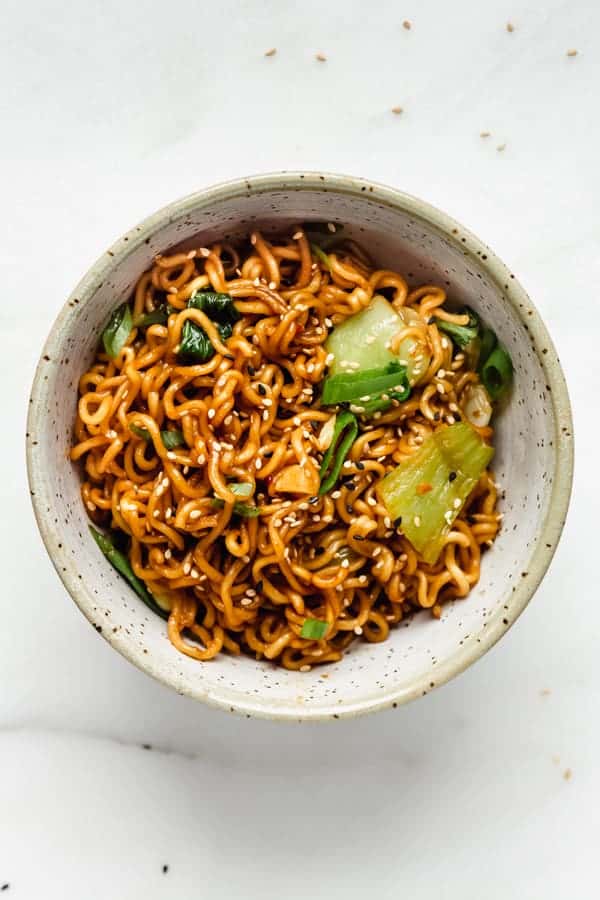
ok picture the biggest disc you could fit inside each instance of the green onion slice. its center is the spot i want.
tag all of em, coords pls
(344, 435)
(246, 510)
(349, 387)
(461, 334)
(120, 562)
(497, 372)
(171, 438)
(314, 629)
(114, 336)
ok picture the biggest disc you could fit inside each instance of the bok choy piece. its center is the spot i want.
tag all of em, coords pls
(171, 439)
(195, 346)
(114, 336)
(349, 387)
(428, 490)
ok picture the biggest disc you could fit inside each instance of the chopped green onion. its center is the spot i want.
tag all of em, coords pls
(462, 335)
(195, 345)
(344, 435)
(246, 510)
(243, 489)
(320, 234)
(171, 438)
(351, 386)
(314, 629)
(114, 336)
(120, 562)
(321, 255)
(429, 489)
(497, 372)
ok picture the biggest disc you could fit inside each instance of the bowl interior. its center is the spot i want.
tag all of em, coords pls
(401, 235)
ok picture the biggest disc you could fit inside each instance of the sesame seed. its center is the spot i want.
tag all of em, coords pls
(171, 455)
(253, 241)
(245, 558)
(371, 501)
(450, 420)
(216, 447)
(265, 415)
(484, 134)
(195, 573)
(156, 513)
(441, 373)
(187, 568)
(267, 402)
(258, 464)
(328, 322)
(444, 342)
(358, 630)
(417, 521)
(212, 413)
(387, 522)
(168, 513)
(348, 464)
(440, 388)
(457, 503)
(195, 514)
(296, 420)
(510, 27)
(271, 52)
(91, 506)
(165, 482)
(336, 495)
(345, 564)
(406, 24)
(363, 579)
(572, 52)
(321, 57)
(160, 490)
(376, 552)
(168, 554)
(272, 285)
(204, 251)
(329, 359)
(316, 518)
(201, 460)
(251, 592)
(501, 147)
(448, 516)
(331, 227)
(298, 235)
(304, 669)
(246, 601)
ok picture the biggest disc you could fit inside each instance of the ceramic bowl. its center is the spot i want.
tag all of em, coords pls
(533, 461)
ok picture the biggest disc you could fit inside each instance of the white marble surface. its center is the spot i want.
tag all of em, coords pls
(109, 110)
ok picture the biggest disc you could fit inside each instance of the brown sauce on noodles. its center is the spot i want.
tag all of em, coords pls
(249, 413)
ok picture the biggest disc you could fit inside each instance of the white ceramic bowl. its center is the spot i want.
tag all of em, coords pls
(533, 462)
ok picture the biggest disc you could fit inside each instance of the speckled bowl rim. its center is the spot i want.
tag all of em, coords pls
(522, 307)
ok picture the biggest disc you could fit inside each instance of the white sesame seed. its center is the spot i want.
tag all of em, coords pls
(298, 235)
(111, 434)
(363, 579)
(331, 227)
(417, 521)
(186, 469)
(457, 504)
(376, 552)
(387, 522)
(265, 415)
(453, 407)
(195, 514)
(227, 420)
(272, 285)
(371, 501)
(212, 413)
(441, 373)
(91, 506)
(195, 573)
(171, 455)
(187, 568)
(257, 282)
(246, 601)
(202, 458)
(316, 518)
(252, 239)
(340, 588)
(305, 668)
(204, 251)
(345, 564)
(156, 513)
(336, 495)
(168, 554)
(358, 630)
(251, 592)
(448, 516)
(329, 359)
(445, 343)
(296, 420)
(160, 490)
(165, 482)
(258, 464)
(450, 420)
(267, 401)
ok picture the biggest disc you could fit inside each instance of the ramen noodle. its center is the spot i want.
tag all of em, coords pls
(235, 474)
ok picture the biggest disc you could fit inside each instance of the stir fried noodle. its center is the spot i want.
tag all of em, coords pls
(222, 519)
